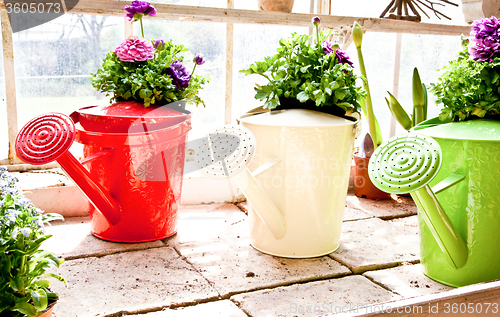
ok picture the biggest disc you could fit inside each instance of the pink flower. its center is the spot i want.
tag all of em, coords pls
(135, 49)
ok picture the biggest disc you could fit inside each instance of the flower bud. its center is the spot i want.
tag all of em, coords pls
(159, 45)
(198, 60)
(316, 21)
(357, 34)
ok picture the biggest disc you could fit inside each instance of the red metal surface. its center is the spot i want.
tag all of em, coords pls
(45, 138)
(144, 174)
(127, 117)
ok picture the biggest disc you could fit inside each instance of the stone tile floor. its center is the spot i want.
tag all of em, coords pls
(209, 268)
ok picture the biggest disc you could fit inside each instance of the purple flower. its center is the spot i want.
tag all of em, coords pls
(342, 57)
(316, 21)
(327, 47)
(135, 49)
(485, 44)
(159, 44)
(139, 8)
(198, 60)
(179, 74)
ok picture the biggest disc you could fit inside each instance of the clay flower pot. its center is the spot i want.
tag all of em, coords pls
(48, 311)
(275, 5)
(363, 186)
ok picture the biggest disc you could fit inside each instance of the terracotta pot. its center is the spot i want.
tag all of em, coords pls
(363, 186)
(48, 311)
(276, 5)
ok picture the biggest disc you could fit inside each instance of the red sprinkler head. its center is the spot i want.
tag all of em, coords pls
(45, 138)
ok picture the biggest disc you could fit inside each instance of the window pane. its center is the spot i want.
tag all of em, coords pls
(251, 44)
(54, 60)
(205, 39)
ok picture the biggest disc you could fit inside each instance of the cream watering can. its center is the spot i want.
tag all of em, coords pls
(452, 172)
(293, 167)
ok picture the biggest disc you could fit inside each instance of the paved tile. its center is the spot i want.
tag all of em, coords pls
(407, 280)
(133, 282)
(351, 214)
(213, 222)
(397, 206)
(314, 299)
(72, 239)
(235, 266)
(409, 222)
(376, 244)
(222, 308)
(42, 179)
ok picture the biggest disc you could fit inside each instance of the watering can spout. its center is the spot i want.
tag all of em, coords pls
(407, 164)
(48, 138)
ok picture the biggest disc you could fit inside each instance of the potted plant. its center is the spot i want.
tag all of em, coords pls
(24, 291)
(458, 212)
(151, 72)
(315, 75)
(305, 131)
(363, 186)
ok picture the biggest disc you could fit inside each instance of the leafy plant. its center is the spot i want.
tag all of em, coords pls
(150, 72)
(366, 103)
(319, 72)
(23, 291)
(146, 81)
(470, 85)
(419, 94)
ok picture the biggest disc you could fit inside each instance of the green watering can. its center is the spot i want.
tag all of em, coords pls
(452, 171)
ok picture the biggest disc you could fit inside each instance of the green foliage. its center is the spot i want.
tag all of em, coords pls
(468, 89)
(419, 94)
(145, 81)
(23, 292)
(302, 71)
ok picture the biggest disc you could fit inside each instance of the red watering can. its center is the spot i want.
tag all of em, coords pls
(135, 160)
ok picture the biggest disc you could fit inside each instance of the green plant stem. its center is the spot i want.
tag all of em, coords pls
(369, 109)
(142, 29)
(317, 35)
(193, 69)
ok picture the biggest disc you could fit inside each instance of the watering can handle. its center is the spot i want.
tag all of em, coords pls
(441, 227)
(263, 205)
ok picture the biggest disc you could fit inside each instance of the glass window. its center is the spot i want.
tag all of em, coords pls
(54, 60)
(205, 39)
(252, 43)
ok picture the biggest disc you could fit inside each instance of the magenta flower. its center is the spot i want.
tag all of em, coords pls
(316, 21)
(139, 8)
(485, 44)
(198, 60)
(179, 74)
(327, 47)
(135, 49)
(342, 57)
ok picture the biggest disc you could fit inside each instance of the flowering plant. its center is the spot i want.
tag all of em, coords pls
(320, 72)
(147, 71)
(470, 86)
(22, 262)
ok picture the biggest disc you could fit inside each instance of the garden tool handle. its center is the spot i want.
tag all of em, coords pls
(262, 204)
(441, 227)
(97, 195)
